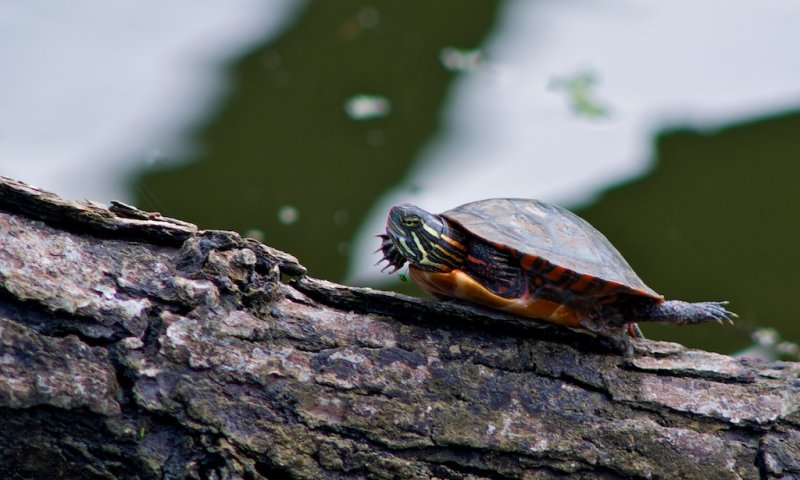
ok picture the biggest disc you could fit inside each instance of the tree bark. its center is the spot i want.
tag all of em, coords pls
(135, 346)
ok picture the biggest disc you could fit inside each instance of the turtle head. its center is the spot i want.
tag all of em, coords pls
(425, 240)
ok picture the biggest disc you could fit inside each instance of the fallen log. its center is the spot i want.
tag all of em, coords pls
(135, 346)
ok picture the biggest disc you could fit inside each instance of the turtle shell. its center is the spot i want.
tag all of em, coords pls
(535, 228)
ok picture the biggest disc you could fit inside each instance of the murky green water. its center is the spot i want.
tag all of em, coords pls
(282, 142)
(717, 218)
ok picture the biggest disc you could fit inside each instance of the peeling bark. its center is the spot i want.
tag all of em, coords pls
(135, 346)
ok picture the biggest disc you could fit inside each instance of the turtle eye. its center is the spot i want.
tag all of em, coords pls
(411, 221)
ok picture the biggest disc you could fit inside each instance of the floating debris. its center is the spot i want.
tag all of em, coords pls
(288, 215)
(458, 60)
(367, 107)
(768, 345)
(765, 337)
(580, 90)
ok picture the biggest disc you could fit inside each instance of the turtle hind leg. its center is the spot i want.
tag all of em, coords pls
(677, 312)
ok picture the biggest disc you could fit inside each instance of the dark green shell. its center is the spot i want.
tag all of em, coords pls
(532, 227)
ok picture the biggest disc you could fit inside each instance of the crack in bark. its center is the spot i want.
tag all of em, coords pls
(44, 321)
(682, 373)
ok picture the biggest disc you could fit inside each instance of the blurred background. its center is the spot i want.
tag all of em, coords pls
(673, 127)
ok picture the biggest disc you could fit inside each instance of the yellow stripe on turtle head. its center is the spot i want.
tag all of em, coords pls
(431, 231)
(424, 251)
(424, 239)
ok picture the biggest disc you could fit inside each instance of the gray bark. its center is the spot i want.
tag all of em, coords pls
(135, 346)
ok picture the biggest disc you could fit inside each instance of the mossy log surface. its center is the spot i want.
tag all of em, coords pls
(136, 346)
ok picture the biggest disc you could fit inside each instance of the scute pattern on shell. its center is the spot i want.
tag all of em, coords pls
(548, 231)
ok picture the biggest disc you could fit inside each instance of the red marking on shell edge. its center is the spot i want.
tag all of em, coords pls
(580, 285)
(556, 273)
(528, 261)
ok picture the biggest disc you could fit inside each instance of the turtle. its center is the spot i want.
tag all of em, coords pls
(532, 259)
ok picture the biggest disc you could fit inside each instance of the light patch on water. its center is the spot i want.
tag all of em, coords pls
(506, 133)
(460, 60)
(367, 107)
(93, 90)
(288, 215)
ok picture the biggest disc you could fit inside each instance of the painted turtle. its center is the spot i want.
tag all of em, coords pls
(535, 260)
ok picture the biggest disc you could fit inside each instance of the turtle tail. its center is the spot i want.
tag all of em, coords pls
(677, 312)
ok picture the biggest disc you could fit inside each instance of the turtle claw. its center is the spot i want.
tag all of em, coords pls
(716, 311)
(383, 238)
(391, 254)
(386, 267)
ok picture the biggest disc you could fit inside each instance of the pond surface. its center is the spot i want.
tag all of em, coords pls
(341, 117)
(682, 148)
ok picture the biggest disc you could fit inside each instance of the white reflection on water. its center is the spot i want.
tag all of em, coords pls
(657, 64)
(92, 89)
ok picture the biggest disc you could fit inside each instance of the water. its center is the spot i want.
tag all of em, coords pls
(92, 92)
(284, 139)
(312, 119)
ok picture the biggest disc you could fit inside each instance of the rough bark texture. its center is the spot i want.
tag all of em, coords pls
(134, 346)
